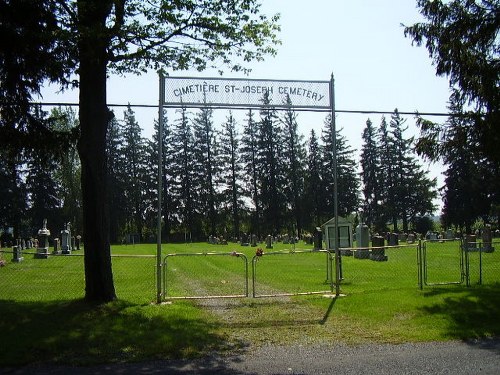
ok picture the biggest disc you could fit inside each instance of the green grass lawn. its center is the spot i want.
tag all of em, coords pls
(42, 317)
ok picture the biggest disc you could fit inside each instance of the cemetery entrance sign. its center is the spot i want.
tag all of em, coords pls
(224, 93)
(246, 93)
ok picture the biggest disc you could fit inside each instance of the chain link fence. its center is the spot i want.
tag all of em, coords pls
(422, 265)
(28, 277)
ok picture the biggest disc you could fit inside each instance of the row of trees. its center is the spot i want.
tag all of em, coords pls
(260, 176)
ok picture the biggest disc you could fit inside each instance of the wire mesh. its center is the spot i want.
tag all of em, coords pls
(379, 268)
(292, 272)
(62, 277)
(205, 275)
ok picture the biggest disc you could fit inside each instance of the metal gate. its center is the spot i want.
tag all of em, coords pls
(442, 263)
(205, 275)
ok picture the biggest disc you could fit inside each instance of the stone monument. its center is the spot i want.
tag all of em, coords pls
(363, 239)
(66, 239)
(42, 249)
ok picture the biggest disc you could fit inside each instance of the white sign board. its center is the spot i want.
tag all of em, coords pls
(245, 93)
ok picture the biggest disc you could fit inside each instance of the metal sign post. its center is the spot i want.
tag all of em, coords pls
(160, 188)
(335, 185)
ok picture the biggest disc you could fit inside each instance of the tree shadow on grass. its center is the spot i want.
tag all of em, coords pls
(471, 312)
(76, 333)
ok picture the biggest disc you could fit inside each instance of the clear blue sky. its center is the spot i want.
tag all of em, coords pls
(360, 41)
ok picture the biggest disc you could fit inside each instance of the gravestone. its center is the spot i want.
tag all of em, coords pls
(363, 240)
(66, 239)
(318, 239)
(269, 242)
(411, 238)
(17, 254)
(42, 250)
(78, 242)
(378, 249)
(244, 239)
(393, 239)
(254, 240)
(487, 239)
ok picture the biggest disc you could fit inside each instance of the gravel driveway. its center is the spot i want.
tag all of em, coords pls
(455, 357)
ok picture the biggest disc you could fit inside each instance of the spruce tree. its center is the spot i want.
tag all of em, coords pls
(116, 181)
(314, 196)
(370, 175)
(206, 169)
(134, 161)
(180, 160)
(294, 158)
(347, 178)
(251, 167)
(270, 177)
(387, 177)
(232, 174)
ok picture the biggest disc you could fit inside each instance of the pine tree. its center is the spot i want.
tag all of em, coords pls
(169, 218)
(13, 196)
(413, 191)
(232, 191)
(180, 159)
(133, 153)
(251, 166)
(370, 175)
(387, 177)
(347, 179)
(41, 186)
(294, 158)
(206, 168)
(314, 196)
(270, 175)
(116, 181)
(68, 172)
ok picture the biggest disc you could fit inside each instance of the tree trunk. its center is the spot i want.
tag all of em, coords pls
(94, 118)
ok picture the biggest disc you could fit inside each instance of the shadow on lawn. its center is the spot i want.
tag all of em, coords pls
(74, 332)
(474, 311)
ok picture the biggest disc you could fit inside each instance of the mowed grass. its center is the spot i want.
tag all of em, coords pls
(42, 317)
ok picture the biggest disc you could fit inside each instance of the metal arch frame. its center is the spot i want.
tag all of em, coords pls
(323, 108)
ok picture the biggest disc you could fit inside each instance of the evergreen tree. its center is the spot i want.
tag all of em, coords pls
(270, 176)
(13, 196)
(68, 172)
(116, 181)
(294, 158)
(232, 191)
(370, 175)
(461, 37)
(206, 168)
(134, 162)
(347, 179)
(466, 193)
(250, 160)
(41, 187)
(387, 177)
(314, 196)
(180, 158)
(169, 221)
(414, 191)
